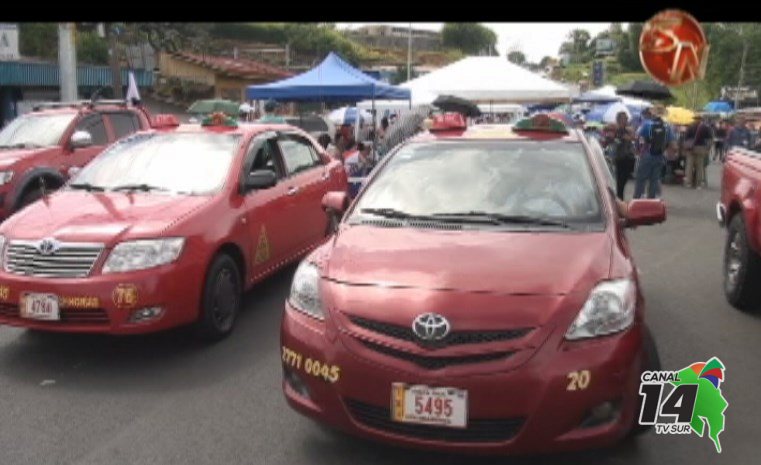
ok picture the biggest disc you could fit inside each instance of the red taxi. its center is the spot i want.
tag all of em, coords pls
(479, 295)
(165, 228)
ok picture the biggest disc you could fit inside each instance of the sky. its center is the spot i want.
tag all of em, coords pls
(535, 40)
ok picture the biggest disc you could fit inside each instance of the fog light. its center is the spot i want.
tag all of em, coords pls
(295, 382)
(142, 315)
(601, 414)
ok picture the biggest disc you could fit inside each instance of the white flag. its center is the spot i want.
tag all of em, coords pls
(133, 95)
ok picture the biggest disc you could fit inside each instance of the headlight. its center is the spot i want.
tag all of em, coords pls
(142, 254)
(609, 309)
(305, 291)
(5, 177)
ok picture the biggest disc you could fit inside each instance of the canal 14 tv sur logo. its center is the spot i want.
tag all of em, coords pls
(694, 403)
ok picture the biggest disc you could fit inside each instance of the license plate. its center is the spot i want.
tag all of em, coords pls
(40, 306)
(439, 406)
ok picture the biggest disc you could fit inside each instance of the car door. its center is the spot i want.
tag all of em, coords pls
(267, 209)
(96, 127)
(123, 123)
(307, 181)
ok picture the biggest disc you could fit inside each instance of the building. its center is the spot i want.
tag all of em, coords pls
(216, 76)
(26, 82)
(385, 36)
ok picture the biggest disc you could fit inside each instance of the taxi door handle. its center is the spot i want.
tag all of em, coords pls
(293, 190)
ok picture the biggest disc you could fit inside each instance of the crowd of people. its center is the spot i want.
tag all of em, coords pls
(655, 151)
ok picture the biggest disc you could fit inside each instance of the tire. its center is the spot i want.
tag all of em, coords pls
(742, 268)
(652, 363)
(221, 301)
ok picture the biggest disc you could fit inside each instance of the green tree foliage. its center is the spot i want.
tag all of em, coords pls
(470, 38)
(400, 75)
(628, 48)
(39, 40)
(91, 49)
(517, 57)
(578, 46)
(726, 40)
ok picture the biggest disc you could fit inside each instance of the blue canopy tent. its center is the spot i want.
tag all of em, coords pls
(719, 106)
(332, 80)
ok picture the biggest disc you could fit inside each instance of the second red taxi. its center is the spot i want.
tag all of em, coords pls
(165, 228)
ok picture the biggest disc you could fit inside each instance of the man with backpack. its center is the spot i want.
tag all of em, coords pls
(619, 143)
(658, 138)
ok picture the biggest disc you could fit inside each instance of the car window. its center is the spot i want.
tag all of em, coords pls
(124, 123)
(36, 130)
(266, 158)
(546, 179)
(298, 154)
(95, 126)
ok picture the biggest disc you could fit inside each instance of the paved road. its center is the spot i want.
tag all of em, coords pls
(166, 399)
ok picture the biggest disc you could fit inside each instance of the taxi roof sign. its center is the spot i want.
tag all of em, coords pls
(449, 122)
(219, 119)
(164, 121)
(541, 122)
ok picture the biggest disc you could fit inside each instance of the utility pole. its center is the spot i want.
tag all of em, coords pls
(67, 62)
(742, 69)
(113, 58)
(409, 52)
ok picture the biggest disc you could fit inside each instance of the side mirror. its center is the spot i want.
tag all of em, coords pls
(644, 212)
(80, 139)
(260, 179)
(335, 201)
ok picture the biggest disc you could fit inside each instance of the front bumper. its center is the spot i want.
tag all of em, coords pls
(528, 409)
(105, 303)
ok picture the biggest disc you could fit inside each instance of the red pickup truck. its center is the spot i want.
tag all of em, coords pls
(41, 149)
(738, 211)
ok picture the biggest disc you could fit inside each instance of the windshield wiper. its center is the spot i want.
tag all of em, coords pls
(401, 215)
(87, 187)
(21, 145)
(498, 218)
(138, 187)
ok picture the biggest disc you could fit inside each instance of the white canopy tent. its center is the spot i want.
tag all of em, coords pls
(489, 79)
(419, 97)
(610, 91)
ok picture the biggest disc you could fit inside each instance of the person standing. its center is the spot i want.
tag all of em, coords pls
(657, 138)
(719, 137)
(621, 142)
(739, 135)
(270, 115)
(697, 138)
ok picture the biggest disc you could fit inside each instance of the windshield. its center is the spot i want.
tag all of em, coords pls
(189, 163)
(500, 179)
(35, 130)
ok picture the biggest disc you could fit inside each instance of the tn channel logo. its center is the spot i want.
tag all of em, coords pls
(695, 404)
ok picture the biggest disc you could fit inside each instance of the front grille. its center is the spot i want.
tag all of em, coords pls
(478, 430)
(90, 316)
(436, 363)
(454, 338)
(69, 260)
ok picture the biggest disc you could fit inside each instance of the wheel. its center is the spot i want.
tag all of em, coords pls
(29, 197)
(652, 363)
(742, 268)
(221, 299)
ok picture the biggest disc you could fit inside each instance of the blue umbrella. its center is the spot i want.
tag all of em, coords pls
(718, 106)
(597, 112)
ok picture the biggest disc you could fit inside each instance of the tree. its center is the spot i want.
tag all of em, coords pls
(546, 61)
(470, 38)
(628, 49)
(400, 75)
(38, 40)
(517, 57)
(91, 49)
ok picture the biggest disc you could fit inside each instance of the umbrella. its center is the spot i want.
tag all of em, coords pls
(348, 115)
(614, 109)
(564, 117)
(227, 107)
(718, 107)
(645, 89)
(679, 116)
(457, 104)
(593, 97)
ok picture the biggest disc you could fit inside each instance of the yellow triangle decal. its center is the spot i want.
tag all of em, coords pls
(262, 248)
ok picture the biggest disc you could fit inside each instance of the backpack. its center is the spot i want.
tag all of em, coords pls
(657, 139)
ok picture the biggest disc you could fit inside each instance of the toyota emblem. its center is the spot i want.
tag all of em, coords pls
(47, 246)
(430, 327)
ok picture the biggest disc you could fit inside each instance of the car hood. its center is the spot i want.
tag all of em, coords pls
(10, 156)
(524, 262)
(100, 217)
